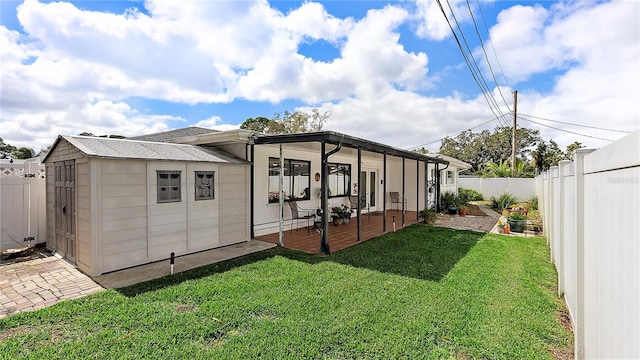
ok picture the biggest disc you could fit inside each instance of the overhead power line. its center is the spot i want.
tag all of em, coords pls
(455, 134)
(475, 72)
(492, 47)
(573, 124)
(567, 131)
(475, 25)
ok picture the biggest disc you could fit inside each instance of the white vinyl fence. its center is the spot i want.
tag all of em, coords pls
(591, 216)
(22, 204)
(522, 188)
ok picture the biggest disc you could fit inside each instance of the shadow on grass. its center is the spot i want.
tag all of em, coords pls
(418, 251)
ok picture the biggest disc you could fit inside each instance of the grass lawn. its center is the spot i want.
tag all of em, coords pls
(420, 293)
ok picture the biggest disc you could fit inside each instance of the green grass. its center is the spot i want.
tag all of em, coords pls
(419, 293)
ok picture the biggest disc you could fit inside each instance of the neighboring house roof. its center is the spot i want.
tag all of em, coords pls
(134, 149)
(461, 165)
(170, 135)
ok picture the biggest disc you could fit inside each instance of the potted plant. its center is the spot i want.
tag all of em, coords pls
(449, 202)
(339, 214)
(517, 222)
(428, 216)
(462, 210)
(346, 212)
(317, 221)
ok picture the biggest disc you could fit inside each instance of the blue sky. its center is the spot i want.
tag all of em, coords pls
(389, 71)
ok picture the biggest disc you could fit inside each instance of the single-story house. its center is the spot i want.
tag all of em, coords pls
(117, 203)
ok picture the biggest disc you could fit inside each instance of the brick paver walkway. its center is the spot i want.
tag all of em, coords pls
(34, 284)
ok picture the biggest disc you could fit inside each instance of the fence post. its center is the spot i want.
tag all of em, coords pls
(579, 313)
(562, 221)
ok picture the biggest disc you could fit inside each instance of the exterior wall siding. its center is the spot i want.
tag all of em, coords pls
(234, 195)
(122, 235)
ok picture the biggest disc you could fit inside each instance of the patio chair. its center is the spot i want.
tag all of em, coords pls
(395, 199)
(298, 214)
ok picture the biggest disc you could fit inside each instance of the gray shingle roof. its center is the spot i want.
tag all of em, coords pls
(133, 149)
(174, 134)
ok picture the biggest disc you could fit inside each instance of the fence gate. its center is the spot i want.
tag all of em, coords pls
(22, 204)
(65, 209)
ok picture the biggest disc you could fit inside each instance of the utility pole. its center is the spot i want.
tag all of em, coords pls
(513, 140)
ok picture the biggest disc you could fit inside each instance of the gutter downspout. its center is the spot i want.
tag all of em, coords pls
(324, 236)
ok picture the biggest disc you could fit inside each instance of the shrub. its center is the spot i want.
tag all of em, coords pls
(428, 215)
(462, 199)
(471, 194)
(503, 201)
(516, 216)
(449, 199)
(534, 203)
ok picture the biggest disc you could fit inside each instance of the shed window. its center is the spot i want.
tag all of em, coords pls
(168, 186)
(204, 185)
(295, 180)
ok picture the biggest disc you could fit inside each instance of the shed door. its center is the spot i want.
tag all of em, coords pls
(65, 208)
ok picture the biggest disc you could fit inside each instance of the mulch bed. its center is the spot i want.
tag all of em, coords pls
(475, 210)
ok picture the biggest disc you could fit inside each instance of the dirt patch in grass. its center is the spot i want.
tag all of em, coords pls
(566, 352)
(183, 308)
(20, 330)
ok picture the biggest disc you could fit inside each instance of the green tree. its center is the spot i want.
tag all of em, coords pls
(485, 147)
(23, 153)
(571, 148)
(546, 155)
(5, 149)
(493, 170)
(259, 124)
(288, 123)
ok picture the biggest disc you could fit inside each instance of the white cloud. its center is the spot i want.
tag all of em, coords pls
(431, 22)
(76, 70)
(214, 123)
(596, 49)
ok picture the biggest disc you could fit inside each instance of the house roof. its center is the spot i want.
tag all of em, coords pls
(135, 149)
(336, 138)
(461, 165)
(170, 135)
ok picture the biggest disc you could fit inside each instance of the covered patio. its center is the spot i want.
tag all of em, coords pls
(341, 237)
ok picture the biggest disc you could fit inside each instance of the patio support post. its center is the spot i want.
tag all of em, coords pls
(384, 192)
(251, 193)
(324, 239)
(281, 199)
(417, 189)
(436, 173)
(324, 201)
(403, 181)
(358, 210)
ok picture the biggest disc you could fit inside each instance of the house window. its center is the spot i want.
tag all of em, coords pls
(339, 179)
(168, 186)
(296, 180)
(447, 177)
(204, 185)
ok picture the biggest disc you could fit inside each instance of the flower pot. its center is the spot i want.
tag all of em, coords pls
(463, 212)
(517, 225)
(338, 220)
(317, 224)
(346, 220)
(452, 210)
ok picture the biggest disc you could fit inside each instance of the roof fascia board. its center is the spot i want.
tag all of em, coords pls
(347, 141)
